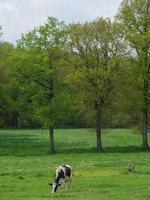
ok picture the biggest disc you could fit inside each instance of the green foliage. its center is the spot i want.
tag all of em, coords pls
(134, 17)
(96, 50)
(16, 111)
(41, 53)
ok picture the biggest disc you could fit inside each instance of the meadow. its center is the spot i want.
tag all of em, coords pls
(26, 167)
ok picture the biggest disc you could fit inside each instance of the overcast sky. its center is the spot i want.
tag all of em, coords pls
(20, 16)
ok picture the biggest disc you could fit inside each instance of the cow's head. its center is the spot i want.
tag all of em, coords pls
(54, 186)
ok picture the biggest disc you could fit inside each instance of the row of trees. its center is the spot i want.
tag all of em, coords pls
(83, 74)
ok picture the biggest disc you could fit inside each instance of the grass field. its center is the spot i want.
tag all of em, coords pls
(26, 166)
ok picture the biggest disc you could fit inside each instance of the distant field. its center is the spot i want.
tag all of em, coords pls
(26, 166)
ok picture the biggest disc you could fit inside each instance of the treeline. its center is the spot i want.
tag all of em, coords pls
(93, 74)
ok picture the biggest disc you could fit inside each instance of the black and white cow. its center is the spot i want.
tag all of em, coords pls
(63, 174)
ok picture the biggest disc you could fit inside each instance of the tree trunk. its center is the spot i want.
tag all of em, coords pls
(145, 129)
(14, 120)
(52, 146)
(145, 116)
(98, 129)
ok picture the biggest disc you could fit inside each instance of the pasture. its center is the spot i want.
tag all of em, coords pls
(26, 167)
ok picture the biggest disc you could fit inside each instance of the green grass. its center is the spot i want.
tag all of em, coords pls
(26, 166)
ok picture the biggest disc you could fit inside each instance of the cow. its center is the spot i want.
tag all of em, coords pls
(131, 166)
(63, 174)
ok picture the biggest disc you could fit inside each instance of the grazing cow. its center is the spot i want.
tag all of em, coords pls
(63, 174)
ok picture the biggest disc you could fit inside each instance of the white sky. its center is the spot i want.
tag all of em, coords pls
(21, 16)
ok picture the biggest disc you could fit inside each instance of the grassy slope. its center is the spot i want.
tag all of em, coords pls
(26, 166)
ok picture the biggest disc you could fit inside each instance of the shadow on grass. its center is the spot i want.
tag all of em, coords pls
(115, 149)
(125, 149)
(75, 150)
(22, 145)
(31, 145)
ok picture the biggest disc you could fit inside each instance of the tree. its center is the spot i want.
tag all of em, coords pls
(95, 50)
(134, 16)
(40, 65)
(7, 92)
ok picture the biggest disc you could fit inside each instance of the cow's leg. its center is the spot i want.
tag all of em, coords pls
(70, 182)
(65, 186)
(62, 184)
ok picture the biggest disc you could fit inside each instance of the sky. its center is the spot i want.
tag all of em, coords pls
(21, 16)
